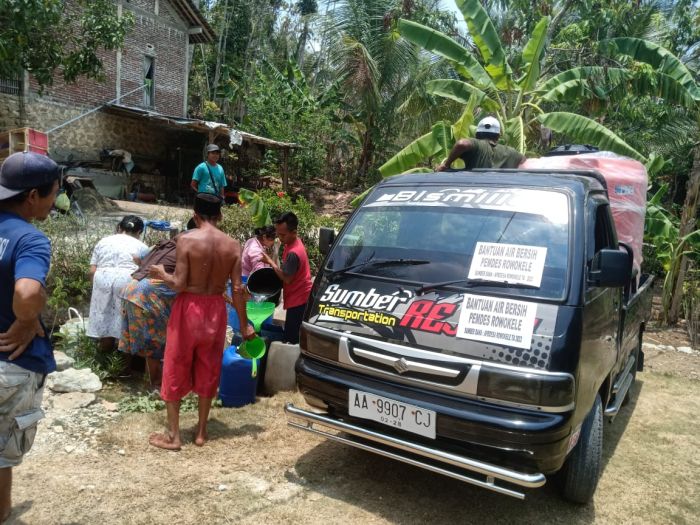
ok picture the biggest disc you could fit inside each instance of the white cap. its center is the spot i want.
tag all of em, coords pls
(488, 125)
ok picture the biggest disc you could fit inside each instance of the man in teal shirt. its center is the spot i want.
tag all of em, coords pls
(209, 176)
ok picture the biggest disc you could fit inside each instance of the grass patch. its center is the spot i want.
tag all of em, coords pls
(151, 402)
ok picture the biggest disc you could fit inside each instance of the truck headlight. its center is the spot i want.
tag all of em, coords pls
(316, 344)
(544, 391)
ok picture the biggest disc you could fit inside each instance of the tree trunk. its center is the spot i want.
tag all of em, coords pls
(554, 26)
(366, 154)
(687, 225)
(221, 48)
(302, 44)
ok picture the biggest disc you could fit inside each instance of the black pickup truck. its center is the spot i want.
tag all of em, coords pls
(479, 325)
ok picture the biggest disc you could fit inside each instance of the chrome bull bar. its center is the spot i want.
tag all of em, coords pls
(492, 473)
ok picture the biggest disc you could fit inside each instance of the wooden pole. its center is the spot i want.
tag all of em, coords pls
(285, 175)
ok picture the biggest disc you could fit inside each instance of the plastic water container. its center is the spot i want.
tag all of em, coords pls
(233, 321)
(279, 372)
(271, 331)
(237, 385)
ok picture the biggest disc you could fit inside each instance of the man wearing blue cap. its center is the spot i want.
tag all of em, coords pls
(484, 151)
(28, 187)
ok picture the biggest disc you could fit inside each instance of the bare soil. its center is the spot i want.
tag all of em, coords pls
(257, 470)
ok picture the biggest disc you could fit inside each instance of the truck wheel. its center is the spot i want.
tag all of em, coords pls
(579, 476)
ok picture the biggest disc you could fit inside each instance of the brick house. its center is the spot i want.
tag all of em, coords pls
(141, 106)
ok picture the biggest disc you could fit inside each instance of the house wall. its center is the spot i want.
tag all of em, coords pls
(157, 32)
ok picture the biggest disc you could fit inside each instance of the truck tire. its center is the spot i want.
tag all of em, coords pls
(579, 476)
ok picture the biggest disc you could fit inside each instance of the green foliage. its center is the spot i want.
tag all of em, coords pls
(525, 105)
(34, 37)
(662, 232)
(87, 354)
(151, 402)
(72, 242)
(237, 222)
(283, 106)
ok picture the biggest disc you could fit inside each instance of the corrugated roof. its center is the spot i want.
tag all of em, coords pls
(187, 10)
(236, 137)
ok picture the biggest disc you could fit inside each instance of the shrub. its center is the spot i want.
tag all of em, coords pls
(87, 354)
(72, 241)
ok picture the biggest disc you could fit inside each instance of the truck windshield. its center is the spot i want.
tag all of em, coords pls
(506, 236)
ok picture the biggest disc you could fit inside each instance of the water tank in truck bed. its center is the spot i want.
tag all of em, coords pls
(627, 190)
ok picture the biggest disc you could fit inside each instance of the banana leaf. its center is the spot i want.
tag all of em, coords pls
(462, 128)
(461, 92)
(663, 86)
(444, 46)
(485, 36)
(418, 150)
(574, 83)
(532, 55)
(258, 210)
(586, 131)
(658, 57)
(442, 134)
(515, 133)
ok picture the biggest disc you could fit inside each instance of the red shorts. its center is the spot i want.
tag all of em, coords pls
(194, 346)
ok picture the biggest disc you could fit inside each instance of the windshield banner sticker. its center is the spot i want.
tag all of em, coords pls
(549, 204)
(496, 320)
(512, 263)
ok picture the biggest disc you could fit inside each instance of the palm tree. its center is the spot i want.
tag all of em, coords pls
(521, 98)
(379, 72)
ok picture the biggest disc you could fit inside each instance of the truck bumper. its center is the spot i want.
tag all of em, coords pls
(478, 473)
(498, 444)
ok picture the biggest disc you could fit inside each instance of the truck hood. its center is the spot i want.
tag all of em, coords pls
(469, 323)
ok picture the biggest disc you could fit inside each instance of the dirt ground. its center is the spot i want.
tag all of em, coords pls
(257, 470)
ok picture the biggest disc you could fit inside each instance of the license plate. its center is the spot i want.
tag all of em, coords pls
(392, 413)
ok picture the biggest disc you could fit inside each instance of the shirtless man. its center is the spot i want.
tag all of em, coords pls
(205, 259)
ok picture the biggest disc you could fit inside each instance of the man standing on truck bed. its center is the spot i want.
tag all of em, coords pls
(205, 259)
(295, 274)
(209, 177)
(484, 151)
(28, 188)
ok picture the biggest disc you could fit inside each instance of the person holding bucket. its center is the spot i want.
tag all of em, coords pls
(205, 260)
(295, 274)
(253, 249)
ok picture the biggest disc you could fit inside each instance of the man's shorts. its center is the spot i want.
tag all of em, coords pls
(21, 391)
(194, 346)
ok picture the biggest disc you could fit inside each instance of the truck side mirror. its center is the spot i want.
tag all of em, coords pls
(326, 236)
(610, 269)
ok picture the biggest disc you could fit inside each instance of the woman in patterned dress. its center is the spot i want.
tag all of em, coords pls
(113, 261)
(146, 310)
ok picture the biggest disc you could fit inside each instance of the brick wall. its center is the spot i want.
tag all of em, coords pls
(162, 36)
(83, 139)
(10, 111)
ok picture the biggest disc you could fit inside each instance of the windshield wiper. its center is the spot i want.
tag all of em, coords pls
(378, 262)
(472, 283)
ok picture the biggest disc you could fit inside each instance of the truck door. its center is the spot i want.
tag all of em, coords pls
(601, 305)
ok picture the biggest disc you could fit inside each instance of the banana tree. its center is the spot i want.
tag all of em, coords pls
(519, 98)
(672, 246)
